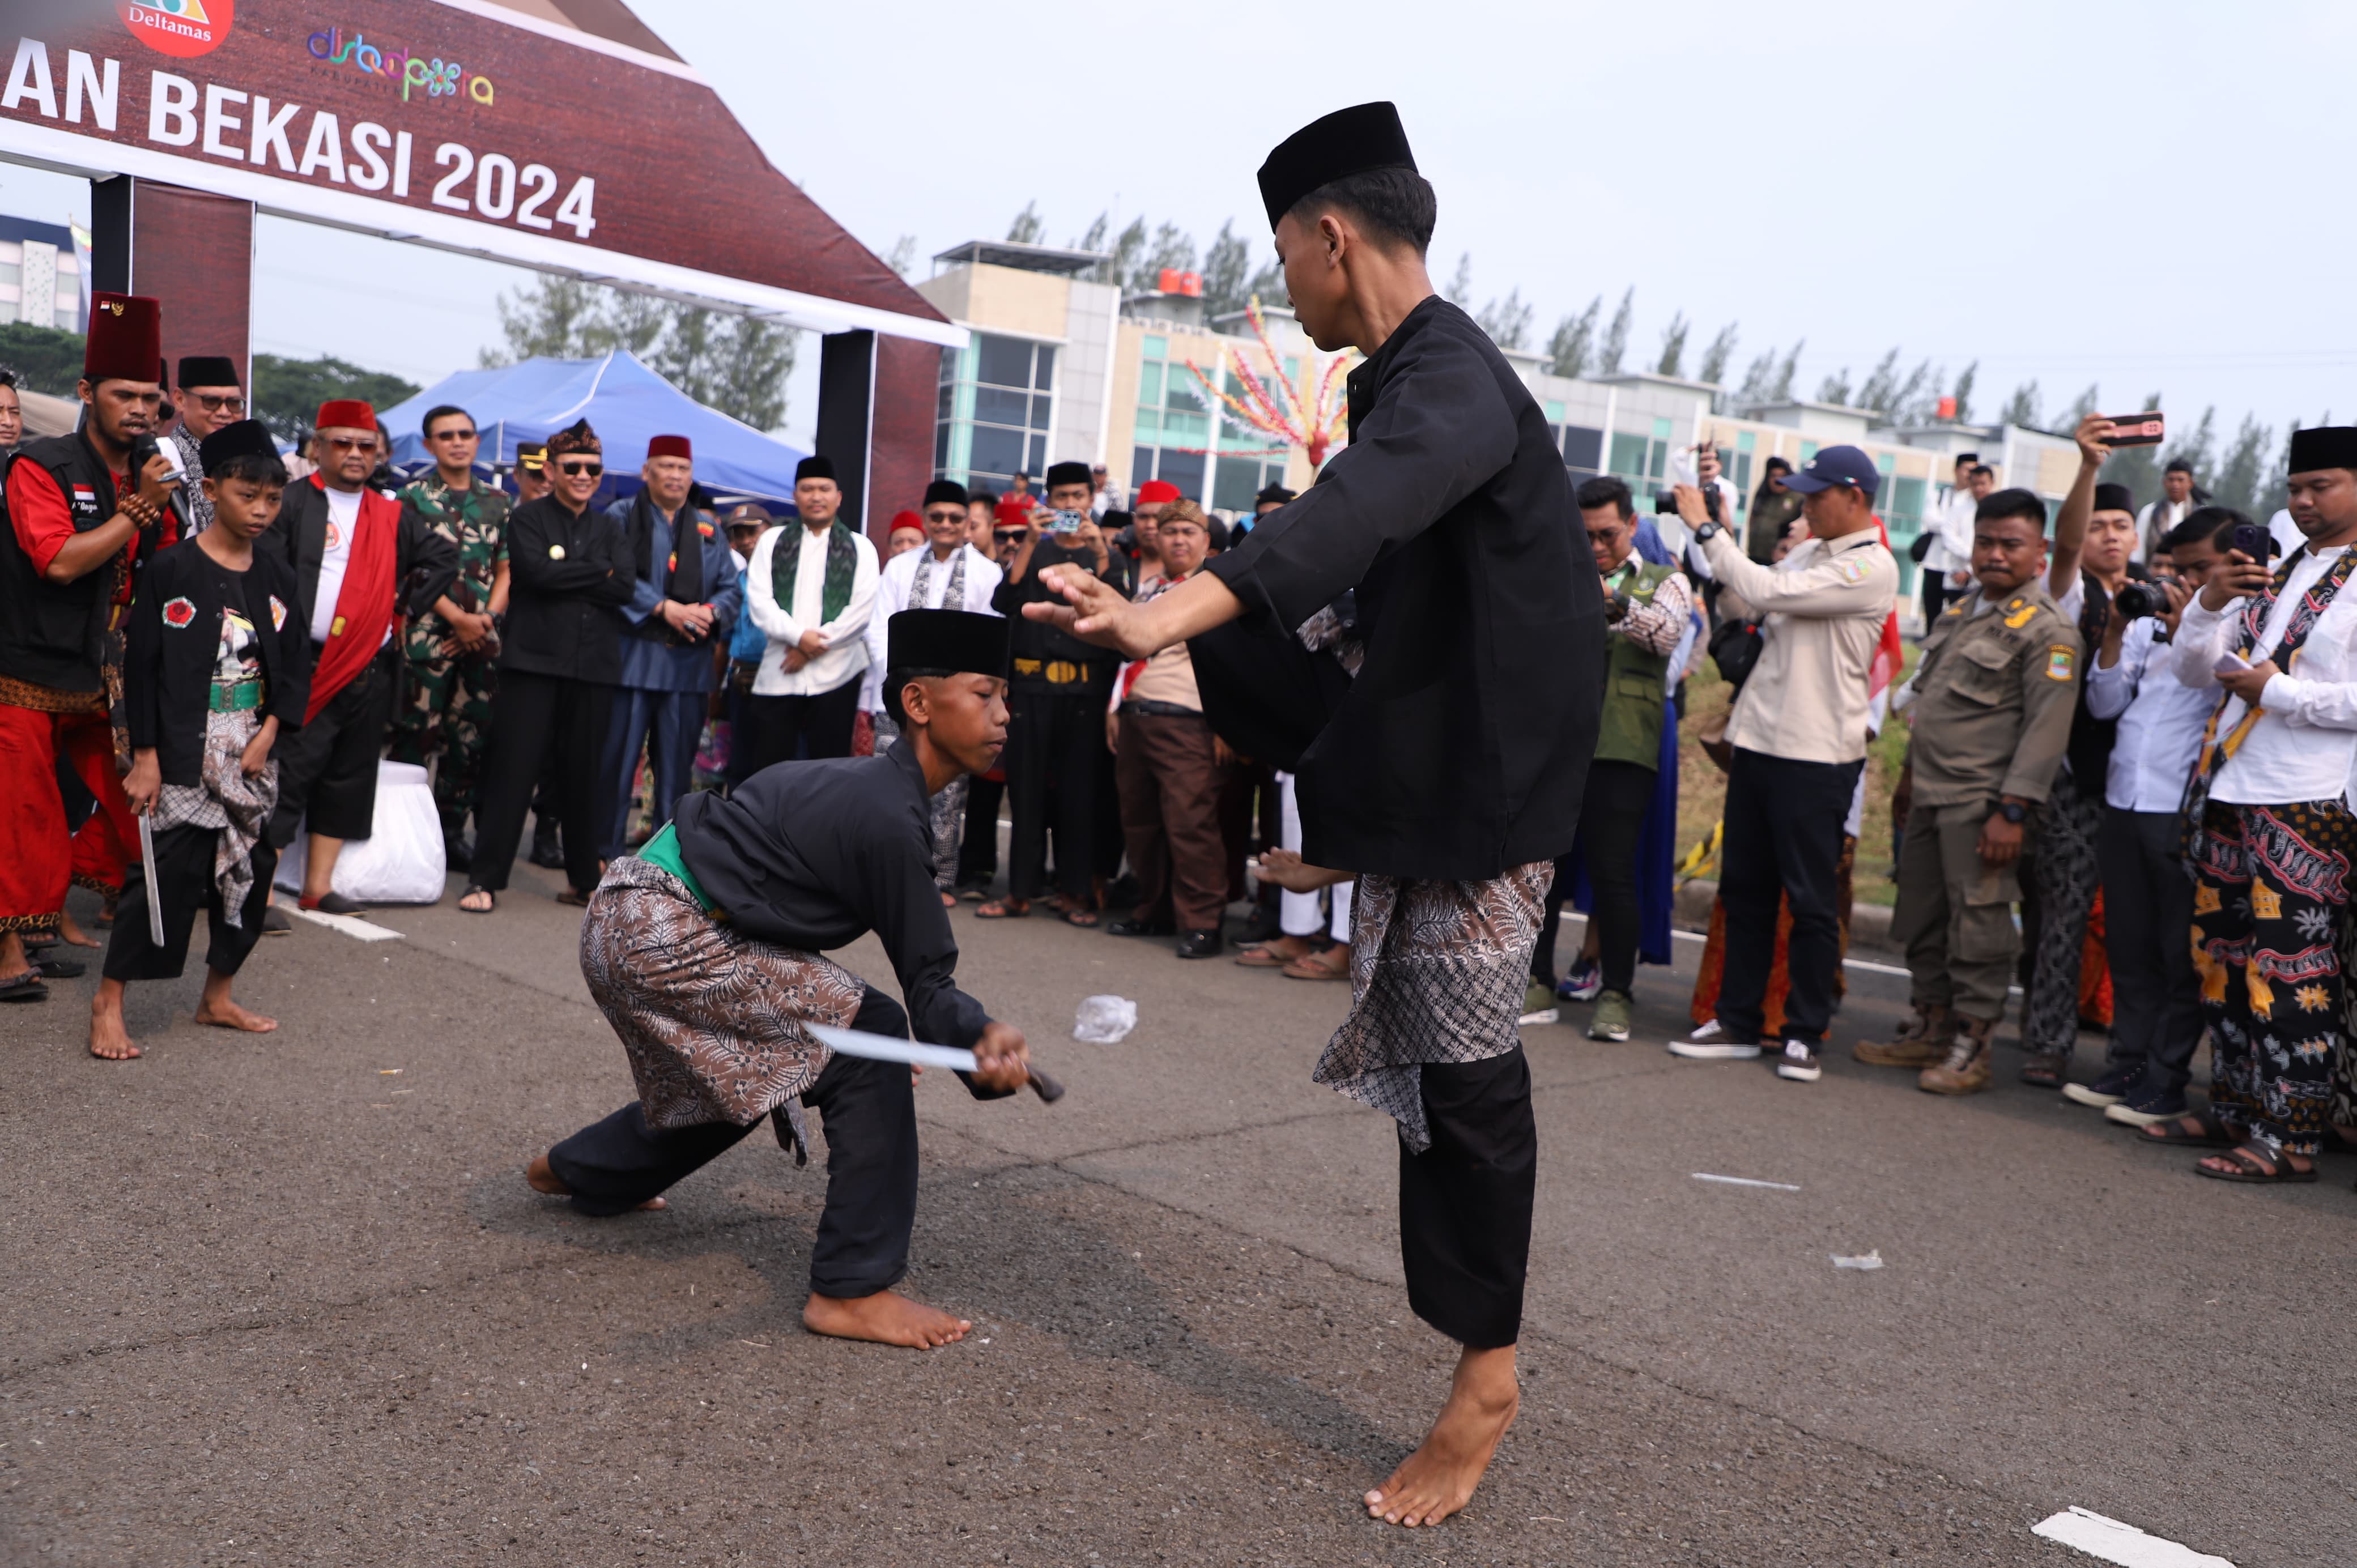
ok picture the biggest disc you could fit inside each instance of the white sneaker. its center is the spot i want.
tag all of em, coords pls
(1712, 1044)
(1799, 1062)
(1544, 1016)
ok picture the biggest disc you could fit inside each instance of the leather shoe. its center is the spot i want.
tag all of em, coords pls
(458, 853)
(1199, 944)
(547, 851)
(1133, 927)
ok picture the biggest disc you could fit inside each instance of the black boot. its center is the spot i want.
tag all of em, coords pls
(547, 845)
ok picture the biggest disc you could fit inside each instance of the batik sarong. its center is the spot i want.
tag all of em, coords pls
(2271, 887)
(713, 1021)
(1438, 973)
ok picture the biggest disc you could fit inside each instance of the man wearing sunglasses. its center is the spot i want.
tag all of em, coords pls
(209, 398)
(452, 650)
(353, 549)
(560, 659)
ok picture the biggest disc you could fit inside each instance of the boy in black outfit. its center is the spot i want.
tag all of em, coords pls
(216, 668)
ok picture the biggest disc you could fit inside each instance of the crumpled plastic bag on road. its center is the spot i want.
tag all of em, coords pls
(1104, 1020)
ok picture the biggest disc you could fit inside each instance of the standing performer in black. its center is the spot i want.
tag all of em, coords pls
(1447, 779)
(704, 951)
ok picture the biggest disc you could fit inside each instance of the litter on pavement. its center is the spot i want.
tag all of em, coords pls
(1870, 1260)
(1104, 1020)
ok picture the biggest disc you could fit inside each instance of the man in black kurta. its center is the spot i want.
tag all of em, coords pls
(704, 950)
(1448, 775)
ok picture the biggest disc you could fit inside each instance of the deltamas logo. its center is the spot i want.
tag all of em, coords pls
(182, 27)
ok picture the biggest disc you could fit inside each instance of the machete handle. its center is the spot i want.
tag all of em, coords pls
(1048, 1088)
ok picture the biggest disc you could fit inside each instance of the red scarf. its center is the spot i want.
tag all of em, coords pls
(364, 604)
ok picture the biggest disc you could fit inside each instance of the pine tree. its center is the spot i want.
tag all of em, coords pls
(1574, 340)
(1616, 336)
(1962, 391)
(1027, 226)
(2021, 408)
(903, 259)
(1459, 292)
(1880, 390)
(1674, 346)
(1782, 392)
(1714, 357)
(1224, 266)
(1834, 388)
(1507, 320)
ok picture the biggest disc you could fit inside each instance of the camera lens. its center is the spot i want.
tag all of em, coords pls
(2139, 599)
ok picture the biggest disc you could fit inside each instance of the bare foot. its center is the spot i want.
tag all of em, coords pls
(108, 1038)
(1439, 1479)
(543, 1179)
(227, 1014)
(887, 1317)
(949, 900)
(72, 935)
(1295, 874)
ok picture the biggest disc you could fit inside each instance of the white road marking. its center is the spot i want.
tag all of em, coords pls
(2122, 1543)
(1746, 1181)
(346, 924)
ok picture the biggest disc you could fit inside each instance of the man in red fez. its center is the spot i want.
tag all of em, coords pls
(83, 520)
(352, 550)
(686, 593)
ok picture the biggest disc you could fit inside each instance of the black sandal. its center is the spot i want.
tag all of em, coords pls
(2045, 1072)
(25, 987)
(2249, 1171)
(492, 908)
(2213, 1133)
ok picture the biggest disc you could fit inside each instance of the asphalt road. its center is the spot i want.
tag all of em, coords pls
(286, 1299)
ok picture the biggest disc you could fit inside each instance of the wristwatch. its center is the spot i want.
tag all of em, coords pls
(2012, 810)
(1707, 530)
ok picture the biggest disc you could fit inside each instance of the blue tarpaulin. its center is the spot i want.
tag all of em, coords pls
(625, 402)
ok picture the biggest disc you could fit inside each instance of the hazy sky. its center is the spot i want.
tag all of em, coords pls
(2124, 196)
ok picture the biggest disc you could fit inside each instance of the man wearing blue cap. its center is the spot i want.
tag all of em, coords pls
(1799, 731)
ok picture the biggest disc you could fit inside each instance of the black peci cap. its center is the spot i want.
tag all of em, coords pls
(208, 370)
(2113, 498)
(246, 438)
(957, 642)
(814, 467)
(2323, 446)
(1068, 474)
(944, 490)
(1347, 141)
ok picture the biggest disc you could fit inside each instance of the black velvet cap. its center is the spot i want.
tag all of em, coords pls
(942, 490)
(208, 370)
(2324, 447)
(246, 438)
(1067, 474)
(1349, 141)
(2113, 498)
(958, 642)
(814, 467)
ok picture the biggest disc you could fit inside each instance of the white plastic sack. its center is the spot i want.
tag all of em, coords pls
(400, 862)
(1104, 1020)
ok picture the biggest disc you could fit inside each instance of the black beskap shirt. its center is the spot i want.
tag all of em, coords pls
(567, 579)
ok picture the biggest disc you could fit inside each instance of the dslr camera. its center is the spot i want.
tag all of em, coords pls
(2136, 600)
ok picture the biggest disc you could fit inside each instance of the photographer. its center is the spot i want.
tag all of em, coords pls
(1945, 547)
(1773, 507)
(2148, 898)
(2272, 835)
(1799, 735)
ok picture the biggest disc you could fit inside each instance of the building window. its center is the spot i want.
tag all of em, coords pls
(1583, 449)
(1174, 414)
(996, 404)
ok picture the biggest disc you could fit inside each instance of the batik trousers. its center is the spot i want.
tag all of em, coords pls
(2064, 870)
(2271, 887)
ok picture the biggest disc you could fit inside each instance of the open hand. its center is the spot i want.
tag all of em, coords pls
(1094, 610)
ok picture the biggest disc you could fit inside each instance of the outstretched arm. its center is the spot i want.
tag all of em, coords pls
(1096, 611)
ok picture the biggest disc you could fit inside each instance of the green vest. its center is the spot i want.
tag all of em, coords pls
(1635, 688)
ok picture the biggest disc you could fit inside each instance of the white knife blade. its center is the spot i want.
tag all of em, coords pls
(147, 867)
(890, 1048)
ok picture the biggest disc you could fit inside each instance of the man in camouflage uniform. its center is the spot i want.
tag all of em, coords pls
(453, 650)
(1990, 705)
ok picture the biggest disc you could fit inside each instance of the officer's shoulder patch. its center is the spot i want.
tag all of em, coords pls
(2020, 612)
(1850, 569)
(1955, 609)
(2061, 662)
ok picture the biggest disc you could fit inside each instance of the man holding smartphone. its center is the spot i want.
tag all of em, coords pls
(2272, 836)
(1057, 689)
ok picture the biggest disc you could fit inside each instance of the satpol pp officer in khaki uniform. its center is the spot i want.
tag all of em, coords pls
(1990, 706)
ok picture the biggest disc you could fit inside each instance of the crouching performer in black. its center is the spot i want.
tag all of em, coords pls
(704, 950)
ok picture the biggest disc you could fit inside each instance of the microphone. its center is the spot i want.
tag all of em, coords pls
(177, 498)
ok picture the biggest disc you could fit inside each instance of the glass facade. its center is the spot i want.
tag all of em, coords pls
(996, 404)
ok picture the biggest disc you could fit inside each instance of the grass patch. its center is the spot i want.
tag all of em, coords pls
(1702, 788)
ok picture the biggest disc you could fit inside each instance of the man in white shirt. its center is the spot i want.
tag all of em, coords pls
(810, 589)
(2178, 497)
(2148, 900)
(2276, 836)
(947, 574)
(1950, 524)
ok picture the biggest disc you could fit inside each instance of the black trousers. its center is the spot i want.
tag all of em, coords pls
(1465, 1202)
(2147, 911)
(184, 878)
(1783, 838)
(1054, 742)
(1611, 818)
(978, 855)
(538, 720)
(1936, 593)
(869, 1112)
(328, 767)
(783, 729)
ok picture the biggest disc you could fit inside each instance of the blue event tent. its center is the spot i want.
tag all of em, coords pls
(625, 402)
